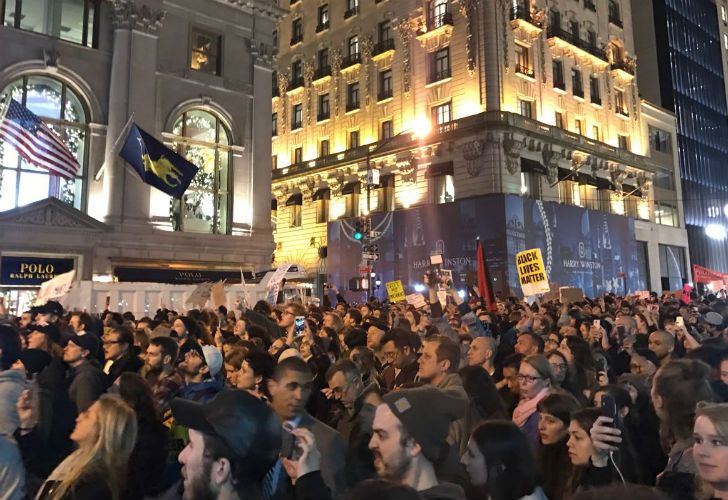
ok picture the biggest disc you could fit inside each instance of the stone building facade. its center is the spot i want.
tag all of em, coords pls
(194, 74)
(447, 100)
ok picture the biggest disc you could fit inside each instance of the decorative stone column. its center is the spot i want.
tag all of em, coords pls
(131, 90)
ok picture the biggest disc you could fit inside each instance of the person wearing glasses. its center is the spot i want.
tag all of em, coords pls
(358, 404)
(535, 381)
(119, 354)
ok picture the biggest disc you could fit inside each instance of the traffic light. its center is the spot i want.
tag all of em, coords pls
(360, 228)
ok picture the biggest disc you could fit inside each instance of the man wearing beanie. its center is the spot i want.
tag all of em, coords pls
(87, 381)
(409, 436)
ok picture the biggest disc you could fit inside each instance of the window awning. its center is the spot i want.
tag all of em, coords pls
(274, 204)
(438, 169)
(322, 194)
(533, 166)
(579, 177)
(351, 188)
(605, 184)
(296, 199)
(628, 189)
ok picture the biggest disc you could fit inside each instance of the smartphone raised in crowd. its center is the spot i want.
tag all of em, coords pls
(679, 321)
(609, 408)
(300, 324)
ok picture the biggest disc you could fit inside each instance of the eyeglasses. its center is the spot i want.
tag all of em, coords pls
(558, 366)
(528, 378)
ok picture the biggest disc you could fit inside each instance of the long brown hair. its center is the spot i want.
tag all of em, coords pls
(109, 453)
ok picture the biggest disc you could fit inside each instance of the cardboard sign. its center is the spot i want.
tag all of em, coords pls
(416, 299)
(55, 288)
(218, 294)
(199, 296)
(532, 272)
(395, 290)
(570, 295)
(274, 284)
(442, 297)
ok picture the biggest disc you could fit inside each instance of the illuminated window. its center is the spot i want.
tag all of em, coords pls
(440, 65)
(444, 188)
(62, 110)
(523, 60)
(205, 55)
(74, 21)
(294, 216)
(203, 139)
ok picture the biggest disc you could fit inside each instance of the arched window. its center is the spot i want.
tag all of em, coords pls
(62, 110)
(204, 140)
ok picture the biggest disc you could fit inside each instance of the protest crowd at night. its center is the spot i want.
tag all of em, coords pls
(479, 398)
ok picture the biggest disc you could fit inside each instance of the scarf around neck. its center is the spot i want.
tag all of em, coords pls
(527, 407)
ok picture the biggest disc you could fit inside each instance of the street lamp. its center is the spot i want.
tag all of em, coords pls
(420, 131)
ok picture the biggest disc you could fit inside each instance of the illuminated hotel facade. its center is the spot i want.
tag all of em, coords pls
(451, 100)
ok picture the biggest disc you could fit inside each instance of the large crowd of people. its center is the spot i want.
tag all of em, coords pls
(615, 397)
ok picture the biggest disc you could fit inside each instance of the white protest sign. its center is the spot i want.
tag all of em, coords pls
(274, 284)
(199, 295)
(416, 299)
(55, 287)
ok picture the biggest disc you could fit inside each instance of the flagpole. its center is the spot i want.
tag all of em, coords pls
(116, 145)
(4, 105)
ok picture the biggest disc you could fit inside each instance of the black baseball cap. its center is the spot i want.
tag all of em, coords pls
(88, 341)
(246, 424)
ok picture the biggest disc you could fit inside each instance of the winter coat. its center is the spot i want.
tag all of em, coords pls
(12, 384)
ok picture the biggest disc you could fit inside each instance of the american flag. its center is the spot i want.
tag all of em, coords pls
(35, 142)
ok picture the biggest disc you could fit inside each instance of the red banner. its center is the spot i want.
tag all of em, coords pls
(704, 275)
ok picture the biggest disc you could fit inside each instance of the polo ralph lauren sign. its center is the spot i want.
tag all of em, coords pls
(29, 271)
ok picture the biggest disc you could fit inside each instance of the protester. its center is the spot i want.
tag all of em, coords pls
(400, 350)
(500, 463)
(553, 428)
(234, 440)
(105, 434)
(482, 353)
(710, 450)
(535, 379)
(161, 372)
(12, 380)
(408, 431)
(290, 388)
(200, 369)
(119, 353)
(147, 461)
(88, 382)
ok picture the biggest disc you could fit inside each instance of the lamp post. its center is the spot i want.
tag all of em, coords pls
(422, 131)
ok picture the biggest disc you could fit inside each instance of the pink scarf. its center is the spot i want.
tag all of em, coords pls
(527, 407)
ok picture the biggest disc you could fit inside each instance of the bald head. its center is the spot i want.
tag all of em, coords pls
(481, 352)
(662, 344)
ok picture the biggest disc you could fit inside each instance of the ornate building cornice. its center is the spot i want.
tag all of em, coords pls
(132, 15)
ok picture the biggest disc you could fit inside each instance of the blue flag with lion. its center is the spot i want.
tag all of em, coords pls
(156, 164)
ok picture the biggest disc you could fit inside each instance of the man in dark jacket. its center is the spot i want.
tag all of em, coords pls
(354, 423)
(400, 350)
(409, 430)
(200, 369)
(119, 354)
(86, 380)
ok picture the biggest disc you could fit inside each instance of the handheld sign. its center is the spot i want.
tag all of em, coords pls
(395, 290)
(55, 287)
(532, 272)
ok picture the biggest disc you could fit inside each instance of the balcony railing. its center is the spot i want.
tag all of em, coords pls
(623, 66)
(385, 94)
(351, 12)
(383, 46)
(589, 4)
(351, 60)
(437, 75)
(615, 19)
(296, 39)
(525, 70)
(496, 120)
(321, 72)
(351, 106)
(322, 26)
(295, 83)
(556, 31)
(435, 21)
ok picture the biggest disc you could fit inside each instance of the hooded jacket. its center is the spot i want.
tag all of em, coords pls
(12, 383)
(458, 436)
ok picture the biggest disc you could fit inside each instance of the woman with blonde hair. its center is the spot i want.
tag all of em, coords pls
(105, 435)
(710, 450)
